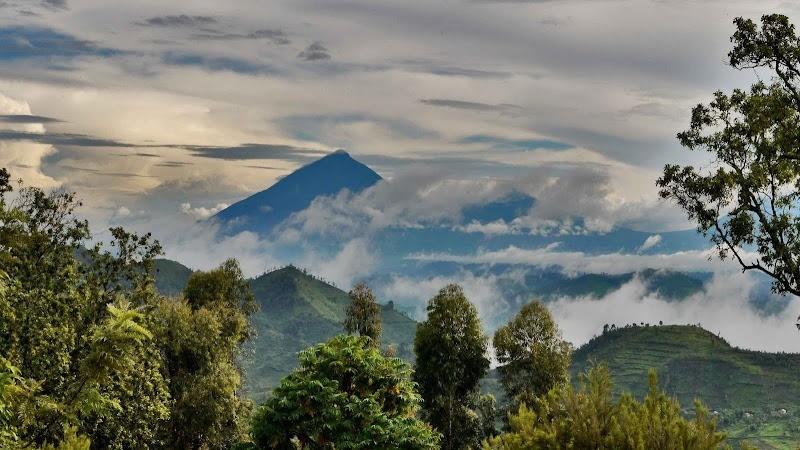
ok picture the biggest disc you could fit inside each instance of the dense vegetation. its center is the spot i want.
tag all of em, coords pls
(93, 356)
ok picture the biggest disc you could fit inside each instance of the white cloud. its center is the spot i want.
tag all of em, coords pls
(722, 307)
(414, 293)
(202, 212)
(650, 242)
(579, 262)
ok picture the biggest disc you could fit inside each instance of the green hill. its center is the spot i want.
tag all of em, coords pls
(755, 394)
(298, 311)
(170, 276)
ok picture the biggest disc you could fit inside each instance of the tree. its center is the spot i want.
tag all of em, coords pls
(363, 314)
(344, 395)
(201, 335)
(589, 418)
(66, 323)
(451, 359)
(748, 195)
(533, 356)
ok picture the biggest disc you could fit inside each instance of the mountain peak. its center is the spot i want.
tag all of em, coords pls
(327, 176)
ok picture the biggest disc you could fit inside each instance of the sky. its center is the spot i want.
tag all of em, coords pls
(161, 113)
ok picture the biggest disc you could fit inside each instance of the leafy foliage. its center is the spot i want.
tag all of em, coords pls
(202, 336)
(345, 395)
(589, 418)
(533, 356)
(363, 314)
(76, 327)
(749, 194)
(451, 359)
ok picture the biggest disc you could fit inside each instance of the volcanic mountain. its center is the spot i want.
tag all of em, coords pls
(327, 176)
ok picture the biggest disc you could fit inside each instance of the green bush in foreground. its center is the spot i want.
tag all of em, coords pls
(345, 395)
(590, 418)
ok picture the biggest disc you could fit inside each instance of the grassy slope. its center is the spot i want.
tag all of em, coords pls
(692, 362)
(298, 311)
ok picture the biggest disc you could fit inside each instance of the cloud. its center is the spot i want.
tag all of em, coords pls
(24, 159)
(68, 139)
(355, 260)
(482, 291)
(181, 20)
(470, 106)
(59, 5)
(448, 70)
(201, 212)
(315, 52)
(218, 63)
(257, 151)
(650, 242)
(27, 118)
(277, 37)
(722, 307)
(502, 143)
(572, 262)
(22, 42)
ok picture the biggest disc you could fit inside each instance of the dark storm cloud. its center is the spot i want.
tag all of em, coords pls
(25, 118)
(182, 20)
(315, 52)
(501, 143)
(256, 151)
(277, 37)
(21, 42)
(218, 63)
(472, 106)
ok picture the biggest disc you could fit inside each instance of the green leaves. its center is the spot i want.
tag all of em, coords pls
(533, 357)
(589, 418)
(451, 359)
(749, 193)
(345, 395)
(363, 314)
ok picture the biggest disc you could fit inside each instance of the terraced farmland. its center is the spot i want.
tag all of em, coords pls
(756, 395)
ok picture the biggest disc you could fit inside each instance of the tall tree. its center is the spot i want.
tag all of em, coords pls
(748, 195)
(345, 395)
(363, 314)
(533, 356)
(451, 359)
(201, 335)
(66, 323)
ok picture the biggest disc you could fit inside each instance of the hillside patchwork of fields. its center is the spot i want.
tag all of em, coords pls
(754, 394)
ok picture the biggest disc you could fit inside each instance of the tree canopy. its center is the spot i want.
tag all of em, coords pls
(451, 359)
(532, 355)
(344, 395)
(363, 314)
(746, 198)
(588, 417)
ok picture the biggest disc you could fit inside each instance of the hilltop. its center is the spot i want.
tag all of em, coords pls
(753, 393)
(298, 311)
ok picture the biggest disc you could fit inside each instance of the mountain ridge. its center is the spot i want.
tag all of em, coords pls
(327, 176)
